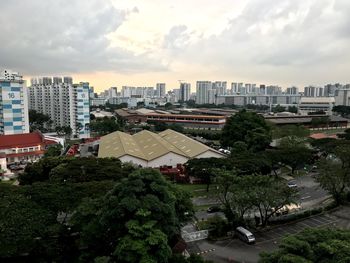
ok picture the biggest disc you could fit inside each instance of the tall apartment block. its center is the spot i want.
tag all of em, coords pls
(65, 103)
(13, 104)
(202, 91)
(160, 90)
(185, 91)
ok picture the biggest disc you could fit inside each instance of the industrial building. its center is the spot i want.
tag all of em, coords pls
(149, 149)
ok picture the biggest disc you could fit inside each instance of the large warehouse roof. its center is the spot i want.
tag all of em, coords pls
(188, 146)
(148, 146)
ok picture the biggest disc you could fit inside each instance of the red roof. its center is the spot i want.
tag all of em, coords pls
(22, 140)
(318, 136)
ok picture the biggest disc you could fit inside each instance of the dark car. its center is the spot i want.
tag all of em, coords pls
(213, 209)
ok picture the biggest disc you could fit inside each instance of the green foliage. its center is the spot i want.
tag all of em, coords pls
(53, 151)
(204, 168)
(37, 121)
(104, 126)
(265, 194)
(191, 259)
(317, 122)
(334, 173)
(67, 169)
(247, 127)
(312, 245)
(345, 135)
(134, 222)
(290, 130)
(342, 110)
(278, 108)
(64, 131)
(294, 152)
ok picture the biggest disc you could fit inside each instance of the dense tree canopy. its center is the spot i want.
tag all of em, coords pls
(37, 121)
(66, 169)
(342, 110)
(132, 223)
(312, 245)
(104, 126)
(247, 127)
(256, 193)
(334, 173)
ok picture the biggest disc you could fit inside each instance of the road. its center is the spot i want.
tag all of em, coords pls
(311, 194)
(234, 250)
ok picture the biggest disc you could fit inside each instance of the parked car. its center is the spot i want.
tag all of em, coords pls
(245, 235)
(213, 209)
(292, 184)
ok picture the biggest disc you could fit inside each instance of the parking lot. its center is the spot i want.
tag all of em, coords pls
(234, 250)
(288, 229)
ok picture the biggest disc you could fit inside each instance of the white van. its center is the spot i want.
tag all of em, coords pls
(245, 235)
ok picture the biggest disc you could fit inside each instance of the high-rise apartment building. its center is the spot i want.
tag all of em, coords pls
(185, 91)
(160, 90)
(65, 103)
(13, 104)
(202, 91)
(312, 91)
(220, 87)
(292, 91)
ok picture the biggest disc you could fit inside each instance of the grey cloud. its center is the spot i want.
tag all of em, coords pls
(41, 36)
(257, 42)
(176, 38)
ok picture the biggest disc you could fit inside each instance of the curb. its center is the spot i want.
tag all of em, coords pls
(205, 251)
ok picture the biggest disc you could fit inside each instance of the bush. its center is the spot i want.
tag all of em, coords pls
(217, 226)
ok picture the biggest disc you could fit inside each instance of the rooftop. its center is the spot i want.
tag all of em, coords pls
(22, 140)
(148, 146)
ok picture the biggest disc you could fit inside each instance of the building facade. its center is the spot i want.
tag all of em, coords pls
(185, 91)
(202, 91)
(13, 104)
(65, 103)
(160, 90)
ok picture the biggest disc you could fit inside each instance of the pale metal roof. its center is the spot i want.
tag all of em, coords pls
(147, 145)
(188, 146)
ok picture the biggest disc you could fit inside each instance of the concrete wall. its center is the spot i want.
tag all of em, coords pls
(209, 154)
(134, 160)
(171, 159)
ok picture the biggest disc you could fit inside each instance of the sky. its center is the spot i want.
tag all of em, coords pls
(143, 42)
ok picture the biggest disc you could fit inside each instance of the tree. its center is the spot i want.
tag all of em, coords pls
(68, 169)
(290, 130)
(293, 109)
(168, 105)
(345, 135)
(334, 173)
(247, 127)
(264, 194)
(342, 110)
(312, 245)
(105, 126)
(278, 108)
(53, 151)
(132, 223)
(269, 195)
(37, 120)
(294, 152)
(204, 168)
(333, 178)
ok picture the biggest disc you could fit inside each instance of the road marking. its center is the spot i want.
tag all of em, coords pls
(206, 251)
(306, 197)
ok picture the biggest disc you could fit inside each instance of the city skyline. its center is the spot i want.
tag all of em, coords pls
(142, 43)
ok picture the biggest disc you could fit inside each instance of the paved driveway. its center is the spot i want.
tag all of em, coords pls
(234, 250)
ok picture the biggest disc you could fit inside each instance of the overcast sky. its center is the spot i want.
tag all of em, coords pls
(142, 42)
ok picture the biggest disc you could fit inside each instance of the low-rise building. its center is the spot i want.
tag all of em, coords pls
(309, 105)
(24, 147)
(149, 149)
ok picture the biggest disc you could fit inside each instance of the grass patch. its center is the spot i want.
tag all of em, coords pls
(201, 207)
(197, 190)
(330, 132)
